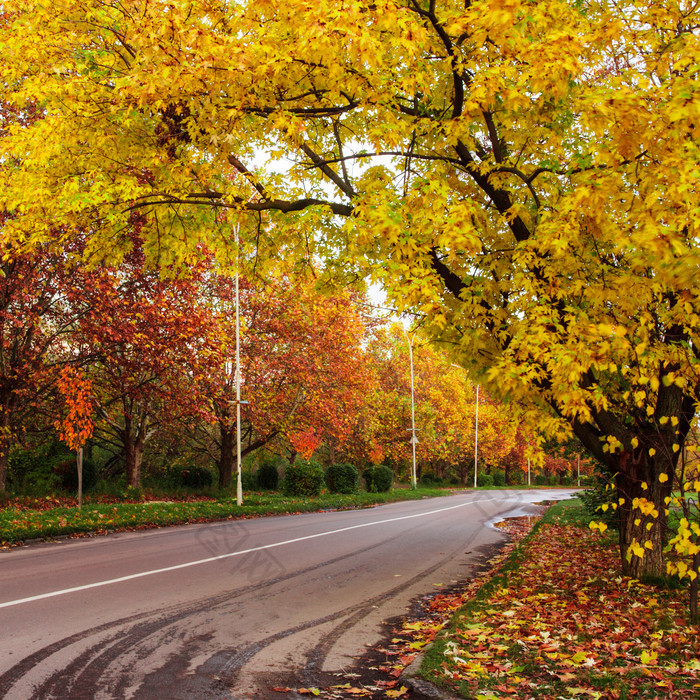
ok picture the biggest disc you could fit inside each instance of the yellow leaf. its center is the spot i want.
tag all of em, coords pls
(663, 478)
(649, 657)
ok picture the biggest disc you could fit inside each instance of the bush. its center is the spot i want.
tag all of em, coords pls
(600, 492)
(191, 476)
(303, 479)
(554, 480)
(378, 479)
(430, 479)
(484, 480)
(67, 472)
(342, 478)
(540, 480)
(567, 481)
(517, 478)
(454, 481)
(499, 478)
(268, 475)
(248, 481)
(38, 470)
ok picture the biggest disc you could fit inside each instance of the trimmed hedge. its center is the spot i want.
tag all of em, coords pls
(342, 478)
(67, 471)
(499, 478)
(303, 479)
(379, 479)
(191, 476)
(268, 475)
(484, 480)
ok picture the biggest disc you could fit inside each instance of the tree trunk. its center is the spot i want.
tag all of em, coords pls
(693, 603)
(227, 457)
(642, 513)
(133, 453)
(5, 445)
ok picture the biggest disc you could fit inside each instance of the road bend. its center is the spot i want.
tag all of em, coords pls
(230, 610)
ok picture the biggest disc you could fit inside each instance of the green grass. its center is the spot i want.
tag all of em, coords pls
(32, 519)
(569, 512)
(534, 601)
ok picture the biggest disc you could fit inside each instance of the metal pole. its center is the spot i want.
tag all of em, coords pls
(578, 470)
(413, 411)
(239, 486)
(528, 471)
(476, 435)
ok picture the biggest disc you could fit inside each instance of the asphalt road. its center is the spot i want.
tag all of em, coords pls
(233, 609)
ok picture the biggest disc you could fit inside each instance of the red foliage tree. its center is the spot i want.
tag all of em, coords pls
(147, 338)
(303, 367)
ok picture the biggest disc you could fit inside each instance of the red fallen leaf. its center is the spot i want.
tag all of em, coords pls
(506, 689)
(282, 690)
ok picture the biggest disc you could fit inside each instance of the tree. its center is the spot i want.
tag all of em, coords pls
(145, 339)
(33, 318)
(77, 424)
(303, 367)
(540, 207)
(445, 403)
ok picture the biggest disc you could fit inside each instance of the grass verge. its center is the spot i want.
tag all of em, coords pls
(45, 518)
(560, 621)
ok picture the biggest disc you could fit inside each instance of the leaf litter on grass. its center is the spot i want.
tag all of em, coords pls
(565, 623)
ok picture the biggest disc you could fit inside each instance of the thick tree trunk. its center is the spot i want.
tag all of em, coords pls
(5, 445)
(4, 461)
(227, 457)
(642, 513)
(134, 454)
(693, 604)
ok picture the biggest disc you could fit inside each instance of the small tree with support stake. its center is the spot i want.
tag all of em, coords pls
(77, 425)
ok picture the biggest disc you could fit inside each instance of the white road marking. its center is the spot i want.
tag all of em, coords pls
(239, 553)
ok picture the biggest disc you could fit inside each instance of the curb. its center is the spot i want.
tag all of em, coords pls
(425, 688)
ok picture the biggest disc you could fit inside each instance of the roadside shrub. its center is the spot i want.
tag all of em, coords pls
(268, 475)
(554, 480)
(67, 472)
(34, 470)
(378, 479)
(517, 478)
(191, 476)
(598, 493)
(484, 480)
(499, 478)
(431, 479)
(248, 481)
(454, 481)
(567, 481)
(342, 478)
(303, 479)
(540, 480)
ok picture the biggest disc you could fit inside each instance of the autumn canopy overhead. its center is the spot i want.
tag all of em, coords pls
(523, 173)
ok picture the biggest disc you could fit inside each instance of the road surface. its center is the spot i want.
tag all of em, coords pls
(230, 610)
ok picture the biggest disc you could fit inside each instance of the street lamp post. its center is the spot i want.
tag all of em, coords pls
(414, 439)
(476, 435)
(239, 483)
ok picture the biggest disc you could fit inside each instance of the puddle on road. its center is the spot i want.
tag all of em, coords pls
(533, 507)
